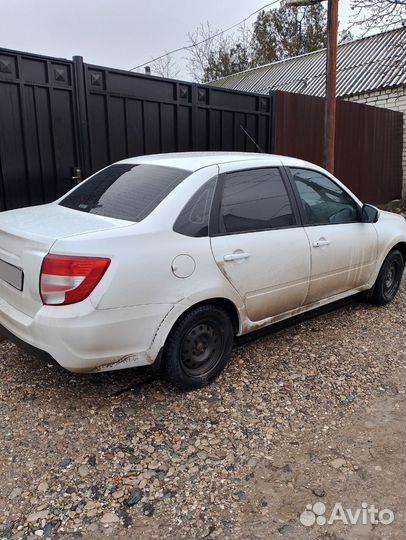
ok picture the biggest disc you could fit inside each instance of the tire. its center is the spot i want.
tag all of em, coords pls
(388, 280)
(198, 348)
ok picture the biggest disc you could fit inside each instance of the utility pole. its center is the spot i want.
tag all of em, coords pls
(331, 78)
(331, 85)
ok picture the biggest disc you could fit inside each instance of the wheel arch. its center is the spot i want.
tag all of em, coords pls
(229, 307)
(384, 252)
(401, 246)
(225, 303)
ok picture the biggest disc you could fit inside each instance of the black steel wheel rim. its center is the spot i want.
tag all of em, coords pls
(391, 279)
(201, 348)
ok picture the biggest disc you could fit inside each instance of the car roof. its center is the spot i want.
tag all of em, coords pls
(192, 161)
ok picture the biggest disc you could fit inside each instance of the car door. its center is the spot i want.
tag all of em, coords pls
(343, 249)
(257, 240)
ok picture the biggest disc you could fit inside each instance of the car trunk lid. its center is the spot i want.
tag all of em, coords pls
(26, 236)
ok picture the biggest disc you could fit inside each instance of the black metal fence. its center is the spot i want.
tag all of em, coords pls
(38, 128)
(62, 119)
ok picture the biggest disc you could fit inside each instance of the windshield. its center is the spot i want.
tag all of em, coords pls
(125, 191)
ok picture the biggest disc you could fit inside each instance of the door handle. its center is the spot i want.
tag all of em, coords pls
(236, 256)
(320, 243)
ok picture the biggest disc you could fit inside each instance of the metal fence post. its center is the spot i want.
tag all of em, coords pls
(81, 111)
(193, 89)
(272, 122)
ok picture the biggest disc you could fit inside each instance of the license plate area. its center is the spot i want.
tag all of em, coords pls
(12, 275)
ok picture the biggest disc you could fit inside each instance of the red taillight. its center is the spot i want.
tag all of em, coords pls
(66, 280)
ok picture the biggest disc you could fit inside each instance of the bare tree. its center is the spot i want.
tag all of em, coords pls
(213, 54)
(204, 40)
(165, 67)
(378, 14)
(245, 37)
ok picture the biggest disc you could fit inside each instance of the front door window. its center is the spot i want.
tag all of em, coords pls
(324, 202)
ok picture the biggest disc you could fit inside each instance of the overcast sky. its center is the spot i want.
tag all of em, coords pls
(116, 33)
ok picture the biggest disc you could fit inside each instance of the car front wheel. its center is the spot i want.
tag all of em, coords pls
(198, 347)
(389, 279)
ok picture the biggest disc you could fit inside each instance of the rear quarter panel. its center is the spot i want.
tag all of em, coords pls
(142, 257)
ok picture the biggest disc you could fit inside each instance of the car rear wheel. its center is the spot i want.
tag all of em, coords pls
(389, 279)
(198, 348)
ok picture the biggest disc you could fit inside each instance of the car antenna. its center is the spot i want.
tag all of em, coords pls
(252, 140)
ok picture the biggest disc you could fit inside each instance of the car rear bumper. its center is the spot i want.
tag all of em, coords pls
(34, 351)
(83, 339)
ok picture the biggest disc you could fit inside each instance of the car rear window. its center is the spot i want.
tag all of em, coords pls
(125, 191)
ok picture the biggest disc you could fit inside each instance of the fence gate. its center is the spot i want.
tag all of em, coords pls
(62, 120)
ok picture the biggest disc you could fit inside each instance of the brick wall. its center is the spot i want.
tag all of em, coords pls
(394, 99)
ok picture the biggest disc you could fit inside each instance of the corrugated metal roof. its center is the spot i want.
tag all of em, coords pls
(367, 64)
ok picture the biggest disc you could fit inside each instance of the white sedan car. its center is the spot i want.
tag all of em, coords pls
(165, 259)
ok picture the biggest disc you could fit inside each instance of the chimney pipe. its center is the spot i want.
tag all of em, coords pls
(147, 70)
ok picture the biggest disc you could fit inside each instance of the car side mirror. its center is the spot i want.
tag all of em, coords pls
(369, 214)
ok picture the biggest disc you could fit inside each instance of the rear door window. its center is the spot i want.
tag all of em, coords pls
(255, 200)
(125, 191)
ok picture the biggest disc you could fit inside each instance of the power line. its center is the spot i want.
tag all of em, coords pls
(186, 47)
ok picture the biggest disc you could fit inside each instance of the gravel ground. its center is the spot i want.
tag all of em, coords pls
(290, 421)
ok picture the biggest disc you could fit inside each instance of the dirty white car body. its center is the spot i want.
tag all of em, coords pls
(156, 274)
